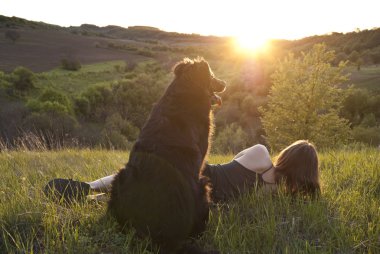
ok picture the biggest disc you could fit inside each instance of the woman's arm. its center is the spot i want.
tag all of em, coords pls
(255, 158)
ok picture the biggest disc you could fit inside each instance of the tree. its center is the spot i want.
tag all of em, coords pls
(305, 100)
(12, 35)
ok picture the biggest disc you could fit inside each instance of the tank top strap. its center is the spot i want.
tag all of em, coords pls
(262, 173)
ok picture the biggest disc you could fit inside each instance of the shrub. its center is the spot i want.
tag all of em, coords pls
(22, 78)
(12, 35)
(52, 107)
(129, 130)
(231, 139)
(81, 106)
(96, 103)
(116, 123)
(55, 96)
(54, 127)
(118, 68)
(4, 80)
(70, 64)
(115, 140)
(130, 66)
(145, 52)
(367, 135)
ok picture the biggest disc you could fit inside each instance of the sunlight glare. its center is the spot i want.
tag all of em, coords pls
(251, 44)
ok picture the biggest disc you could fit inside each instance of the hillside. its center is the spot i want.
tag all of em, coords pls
(41, 46)
(121, 72)
(42, 50)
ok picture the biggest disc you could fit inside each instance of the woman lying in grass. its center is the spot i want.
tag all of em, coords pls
(296, 166)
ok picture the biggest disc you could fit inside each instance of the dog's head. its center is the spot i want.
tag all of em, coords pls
(198, 74)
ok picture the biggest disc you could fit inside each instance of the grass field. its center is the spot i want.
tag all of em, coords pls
(74, 82)
(346, 219)
(368, 77)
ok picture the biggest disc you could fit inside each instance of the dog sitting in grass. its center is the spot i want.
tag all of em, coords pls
(159, 192)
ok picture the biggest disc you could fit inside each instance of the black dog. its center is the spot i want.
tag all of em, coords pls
(159, 192)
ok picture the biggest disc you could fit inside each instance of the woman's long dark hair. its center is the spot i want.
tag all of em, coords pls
(297, 167)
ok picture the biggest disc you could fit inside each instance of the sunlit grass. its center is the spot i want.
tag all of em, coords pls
(73, 82)
(86, 68)
(346, 219)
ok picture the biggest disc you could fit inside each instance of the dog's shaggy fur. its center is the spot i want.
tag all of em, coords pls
(159, 192)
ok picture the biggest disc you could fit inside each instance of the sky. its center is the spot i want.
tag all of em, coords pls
(262, 20)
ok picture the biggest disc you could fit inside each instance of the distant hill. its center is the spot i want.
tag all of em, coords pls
(136, 33)
(16, 22)
(111, 31)
(42, 46)
(359, 47)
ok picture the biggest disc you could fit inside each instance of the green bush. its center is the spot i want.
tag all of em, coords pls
(4, 80)
(95, 103)
(367, 135)
(369, 120)
(22, 78)
(361, 107)
(118, 68)
(145, 52)
(46, 106)
(51, 101)
(116, 123)
(81, 106)
(232, 139)
(70, 64)
(118, 133)
(115, 140)
(55, 96)
(130, 67)
(51, 116)
(54, 125)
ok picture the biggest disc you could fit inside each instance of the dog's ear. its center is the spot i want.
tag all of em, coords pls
(204, 67)
(180, 67)
(202, 70)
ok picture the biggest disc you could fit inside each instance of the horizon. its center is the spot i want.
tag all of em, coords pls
(290, 20)
(165, 30)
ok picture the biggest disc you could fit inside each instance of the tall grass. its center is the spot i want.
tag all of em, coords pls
(346, 219)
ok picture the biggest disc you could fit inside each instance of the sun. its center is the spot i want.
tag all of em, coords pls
(251, 44)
